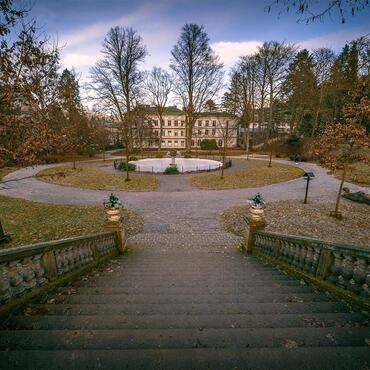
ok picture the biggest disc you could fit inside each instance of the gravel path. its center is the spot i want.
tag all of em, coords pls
(175, 207)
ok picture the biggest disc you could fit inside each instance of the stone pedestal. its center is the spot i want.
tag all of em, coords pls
(117, 227)
(253, 225)
(173, 164)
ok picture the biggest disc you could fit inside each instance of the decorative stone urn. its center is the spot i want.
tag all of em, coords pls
(173, 153)
(113, 214)
(257, 212)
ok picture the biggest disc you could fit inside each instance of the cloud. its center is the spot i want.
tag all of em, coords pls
(230, 51)
(70, 60)
(333, 40)
(99, 29)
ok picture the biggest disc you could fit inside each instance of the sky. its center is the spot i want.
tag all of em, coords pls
(235, 27)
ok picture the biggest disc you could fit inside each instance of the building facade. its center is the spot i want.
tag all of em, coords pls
(212, 126)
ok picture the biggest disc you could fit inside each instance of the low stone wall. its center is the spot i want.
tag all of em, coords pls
(33, 268)
(340, 269)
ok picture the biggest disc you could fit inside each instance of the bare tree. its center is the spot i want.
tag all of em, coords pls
(323, 61)
(304, 7)
(116, 80)
(198, 73)
(158, 85)
(277, 57)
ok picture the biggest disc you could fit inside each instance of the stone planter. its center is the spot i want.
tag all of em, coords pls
(114, 214)
(257, 212)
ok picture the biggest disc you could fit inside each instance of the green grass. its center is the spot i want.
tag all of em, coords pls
(96, 179)
(34, 222)
(248, 177)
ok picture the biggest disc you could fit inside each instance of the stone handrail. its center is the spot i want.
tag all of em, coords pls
(26, 269)
(341, 266)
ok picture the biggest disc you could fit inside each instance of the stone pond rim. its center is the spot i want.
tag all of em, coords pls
(158, 165)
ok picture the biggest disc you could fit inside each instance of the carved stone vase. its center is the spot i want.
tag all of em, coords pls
(257, 212)
(113, 214)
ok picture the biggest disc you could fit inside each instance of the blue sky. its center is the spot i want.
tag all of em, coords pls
(235, 27)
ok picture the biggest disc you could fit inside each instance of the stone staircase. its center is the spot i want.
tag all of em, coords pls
(162, 307)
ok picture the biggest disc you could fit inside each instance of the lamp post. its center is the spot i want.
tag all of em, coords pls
(307, 176)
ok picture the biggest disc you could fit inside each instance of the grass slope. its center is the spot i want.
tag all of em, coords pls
(248, 177)
(33, 222)
(96, 179)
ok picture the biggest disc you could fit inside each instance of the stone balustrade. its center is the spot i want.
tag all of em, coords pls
(342, 266)
(25, 269)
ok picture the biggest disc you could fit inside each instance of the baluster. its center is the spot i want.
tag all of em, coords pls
(39, 270)
(365, 292)
(335, 268)
(348, 271)
(296, 252)
(16, 278)
(5, 289)
(28, 274)
(359, 275)
(308, 262)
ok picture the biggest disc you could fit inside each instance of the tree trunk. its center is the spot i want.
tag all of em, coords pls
(268, 134)
(127, 160)
(336, 213)
(314, 126)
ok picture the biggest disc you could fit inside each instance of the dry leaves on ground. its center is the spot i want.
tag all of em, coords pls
(312, 220)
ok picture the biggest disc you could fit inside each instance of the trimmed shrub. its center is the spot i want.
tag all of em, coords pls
(133, 159)
(171, 171)
(187, 156)
(122, 166)
(208, 144)
(159, 155)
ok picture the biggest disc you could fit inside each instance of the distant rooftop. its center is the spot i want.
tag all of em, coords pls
(173, 110)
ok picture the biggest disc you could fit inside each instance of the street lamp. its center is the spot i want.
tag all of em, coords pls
(307, 176)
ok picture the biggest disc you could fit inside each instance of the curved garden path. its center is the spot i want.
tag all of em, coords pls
(175, 208)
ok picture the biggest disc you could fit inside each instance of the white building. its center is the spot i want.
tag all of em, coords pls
(207, 126)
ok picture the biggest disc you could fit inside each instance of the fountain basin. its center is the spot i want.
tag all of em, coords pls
(158, 165)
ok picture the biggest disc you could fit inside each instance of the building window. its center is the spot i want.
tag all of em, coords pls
(163, 142)
(169, 142)
(199, 132)
(163, 133)
(169, 133)
(176, 143)
(207, 123)
(175, 133)
(169, 123)
(182, 133)
(182, 143)
(162, 122)
(155, 122)
(200, 123)
(214, 123)
(213, 132)
(198, 142)
(182, 123)
(206, 132)
(176, 123)
(192, 143)
(220, 143)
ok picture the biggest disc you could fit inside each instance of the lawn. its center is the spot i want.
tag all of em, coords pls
(33, 222)
(292, 217)
(96, 179)
(248, 177)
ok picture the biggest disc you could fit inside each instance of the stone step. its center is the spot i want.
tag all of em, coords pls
(190, 309)
(178, 289)
(258, 297)
(182, 283)
(182, 338)
(187, 321)
(326, 358)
